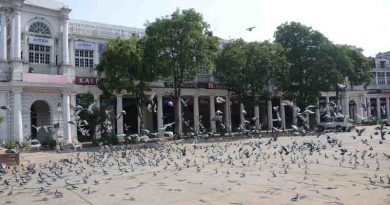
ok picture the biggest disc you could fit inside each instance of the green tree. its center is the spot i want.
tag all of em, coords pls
(248, 69)
(98, 119)
(180, 46)
(122, 67)
(312, 62)
(357, 68)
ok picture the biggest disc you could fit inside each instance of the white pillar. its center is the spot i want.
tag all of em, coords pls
(96, 98)
(73, 127)
(65, 43)
(212, 114)
(66, 117)
(269, 113)
(53, 52)
(25, 48)
(17, 36)
(242, 116)
(180, 120)
(318, 117)
(119, 108)
(12, 25)
(160, 113)
(16, 47)
(4, 136)
(282, 114)
(18, 123)
(363, 112)
(227, 112)
(196, 114)
(346, 105)
(387, 107)
(71, 52)
(294, 115)
(378, 108)
(96, 55)
(376, 78)
(327, 105)
(3, 38)
(369, 114)
(257, 116)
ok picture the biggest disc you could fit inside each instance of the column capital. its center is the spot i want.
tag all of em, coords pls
(17, 90)
(73, 94)
(96, 93)
(16, 11)
(64, 19)
(159, 95)
(66, 92)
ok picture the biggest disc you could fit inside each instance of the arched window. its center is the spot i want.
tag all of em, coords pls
(39, 28)
(39, 53)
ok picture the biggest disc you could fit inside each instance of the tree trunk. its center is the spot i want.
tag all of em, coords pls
(140, 115)
(177, 113)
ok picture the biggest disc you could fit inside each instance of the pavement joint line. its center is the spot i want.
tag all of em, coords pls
(81, 197)
(161, 188)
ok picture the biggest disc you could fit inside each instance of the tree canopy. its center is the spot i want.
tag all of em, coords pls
(122, 67)
(180, 46)
(248, 69)
(316, 64)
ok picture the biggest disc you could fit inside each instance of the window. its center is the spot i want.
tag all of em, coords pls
(388, 78)
(39, 54)
(84, 58)
(381, 78)
(382, 64)
(373, 76)
(39, 28)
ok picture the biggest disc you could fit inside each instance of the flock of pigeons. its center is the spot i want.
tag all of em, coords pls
(83, 171)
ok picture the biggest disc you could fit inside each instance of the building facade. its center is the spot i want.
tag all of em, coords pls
(47, 60)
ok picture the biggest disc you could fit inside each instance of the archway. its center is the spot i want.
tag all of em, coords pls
(40, 119)
(352, 109)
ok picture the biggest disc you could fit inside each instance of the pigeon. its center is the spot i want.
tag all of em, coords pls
(123, 112)
(58, 194)
(91, 106)
(250, 28)
(341, 86)
(295, 198)
(220, 100)
(5, 107)
(218, 112)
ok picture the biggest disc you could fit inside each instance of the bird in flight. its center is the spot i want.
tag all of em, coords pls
(250, 28)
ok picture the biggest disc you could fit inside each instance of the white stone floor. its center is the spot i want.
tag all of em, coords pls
(249, 181)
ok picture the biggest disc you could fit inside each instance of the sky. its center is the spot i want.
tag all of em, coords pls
(362, 23)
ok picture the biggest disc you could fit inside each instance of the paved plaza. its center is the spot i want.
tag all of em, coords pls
(330, 169)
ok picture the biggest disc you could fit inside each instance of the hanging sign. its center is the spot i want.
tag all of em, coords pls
(41, 41)
(84, 45)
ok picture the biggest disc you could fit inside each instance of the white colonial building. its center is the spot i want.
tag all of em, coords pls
(47, 59)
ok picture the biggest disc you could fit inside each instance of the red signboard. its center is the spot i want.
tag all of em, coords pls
(386, 91)
(216, 86)
(85, 80)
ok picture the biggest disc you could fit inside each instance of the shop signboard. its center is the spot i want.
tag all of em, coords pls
(40, 41)
(84, 45)
(79, 80)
